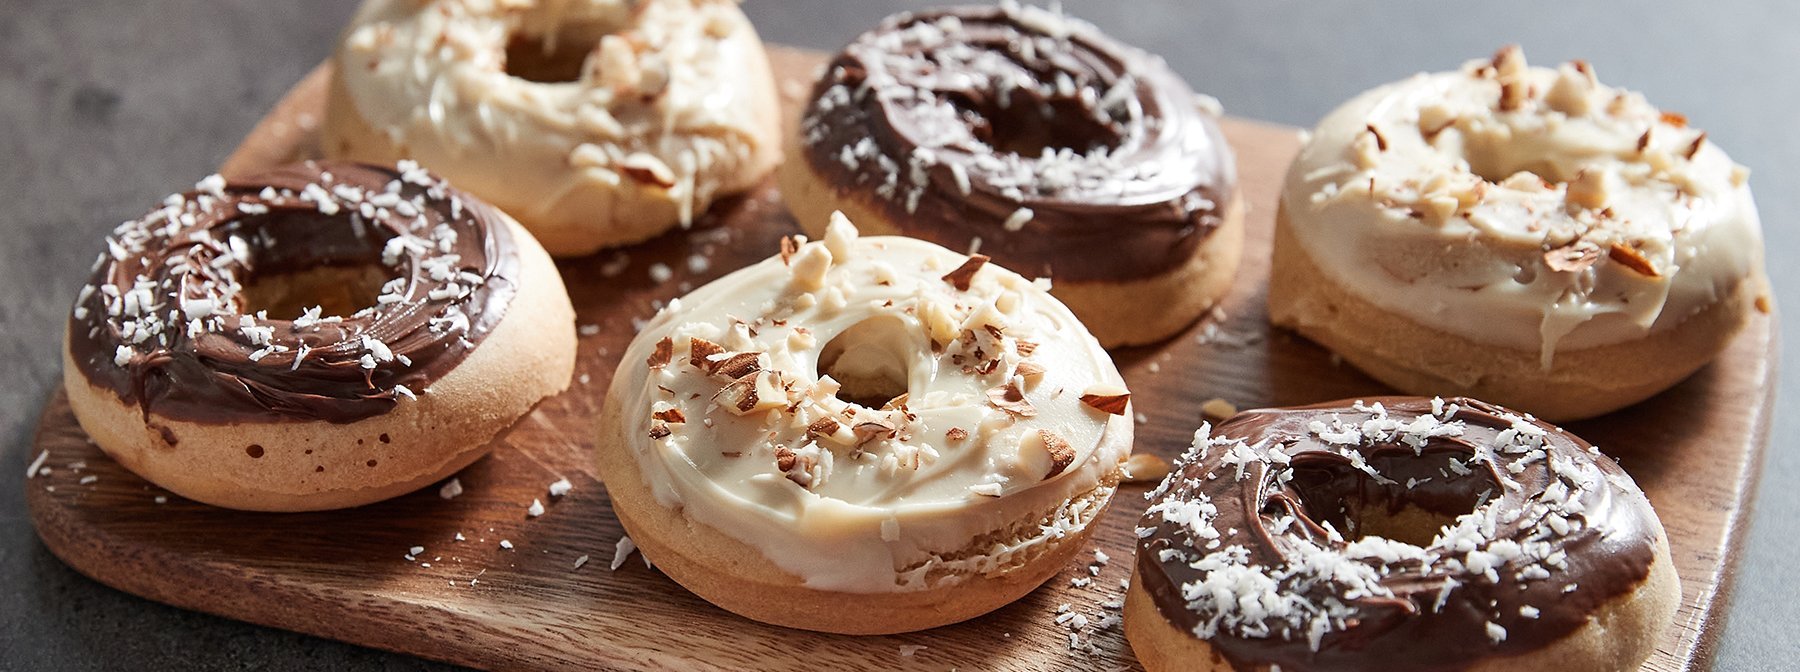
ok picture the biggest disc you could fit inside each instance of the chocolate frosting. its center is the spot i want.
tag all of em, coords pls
(961, 123)
(1549, 530)
(163, 322)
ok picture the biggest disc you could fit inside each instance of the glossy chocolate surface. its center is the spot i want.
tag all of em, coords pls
(1065, 153)
(1539, 534)
(166, 324)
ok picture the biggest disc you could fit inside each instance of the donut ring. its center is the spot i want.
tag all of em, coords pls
(1037, 140)
(1523, 235)
(1309, 538)
(596, 123)
(177, 371)
(863, 435)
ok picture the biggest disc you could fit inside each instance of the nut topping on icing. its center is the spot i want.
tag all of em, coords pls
(964, 274)
(908, 400)
(1107, 398)
(1527, 174)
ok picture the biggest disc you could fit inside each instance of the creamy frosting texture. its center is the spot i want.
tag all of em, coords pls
(658, 101)
(1530, 208)
(876, 414)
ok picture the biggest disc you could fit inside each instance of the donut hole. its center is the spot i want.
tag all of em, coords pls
(555, 53)
(1028, 125)
(337, 289)
(1495, 160)
(1331, 491)
(869, 361)
(293, 262)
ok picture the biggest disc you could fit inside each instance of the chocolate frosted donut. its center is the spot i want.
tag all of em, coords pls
(1040, 141)
(1398, 534)
(238, 344)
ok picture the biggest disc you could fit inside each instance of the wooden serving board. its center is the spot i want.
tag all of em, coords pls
(346, 574)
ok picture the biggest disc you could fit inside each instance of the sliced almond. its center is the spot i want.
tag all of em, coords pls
(1629, 257)
(699, 349)
(1572, 257)
(754, 392)
(1107, 398)
(1694, 147)
(1042, 451)
(822, 427)
(1381, 143)
(670, 415)
(870, 429)
(789, 245)
(665, 350)
(736, 365)
(958, 433)
(659, 429)
(1010, 398)
(965, 274)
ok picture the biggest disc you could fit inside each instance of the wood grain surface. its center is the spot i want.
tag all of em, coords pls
(347, 575)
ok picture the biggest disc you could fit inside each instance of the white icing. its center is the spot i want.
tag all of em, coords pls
(663, 95)
(882, 515)
(1414, 228)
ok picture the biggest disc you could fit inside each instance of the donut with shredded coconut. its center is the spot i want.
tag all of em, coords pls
(1031, 137)
(321, 336)
(595, 123)
(1398, 534)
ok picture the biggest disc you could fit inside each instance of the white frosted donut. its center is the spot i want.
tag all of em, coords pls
(1525, 235)
(595, 123)
(986, 434)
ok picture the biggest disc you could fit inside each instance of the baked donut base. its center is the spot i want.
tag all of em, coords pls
(1421, 360)
(1620, 635)
(1119, 313)
(318, 465)
(737, 577)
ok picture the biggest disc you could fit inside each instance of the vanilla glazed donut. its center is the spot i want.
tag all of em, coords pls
(1397, 534)
(863, 435)
(321, 336)
(1021, 134)
(1522, 235)
(596, 123)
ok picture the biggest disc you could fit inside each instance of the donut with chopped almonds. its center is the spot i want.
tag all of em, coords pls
(863, 435)
(595, 123)
(1524, 235)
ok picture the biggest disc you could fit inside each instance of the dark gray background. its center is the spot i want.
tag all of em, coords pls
(105, 106)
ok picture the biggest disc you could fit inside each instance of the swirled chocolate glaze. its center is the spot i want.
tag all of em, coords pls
(1066, 153)
(1266, 540)
(164, 321)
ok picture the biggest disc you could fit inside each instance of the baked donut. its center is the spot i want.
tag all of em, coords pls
(321, 336)
(596, 123)
(1398, 534)
(1031, 137)
(1522, 235)
(863, 435)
